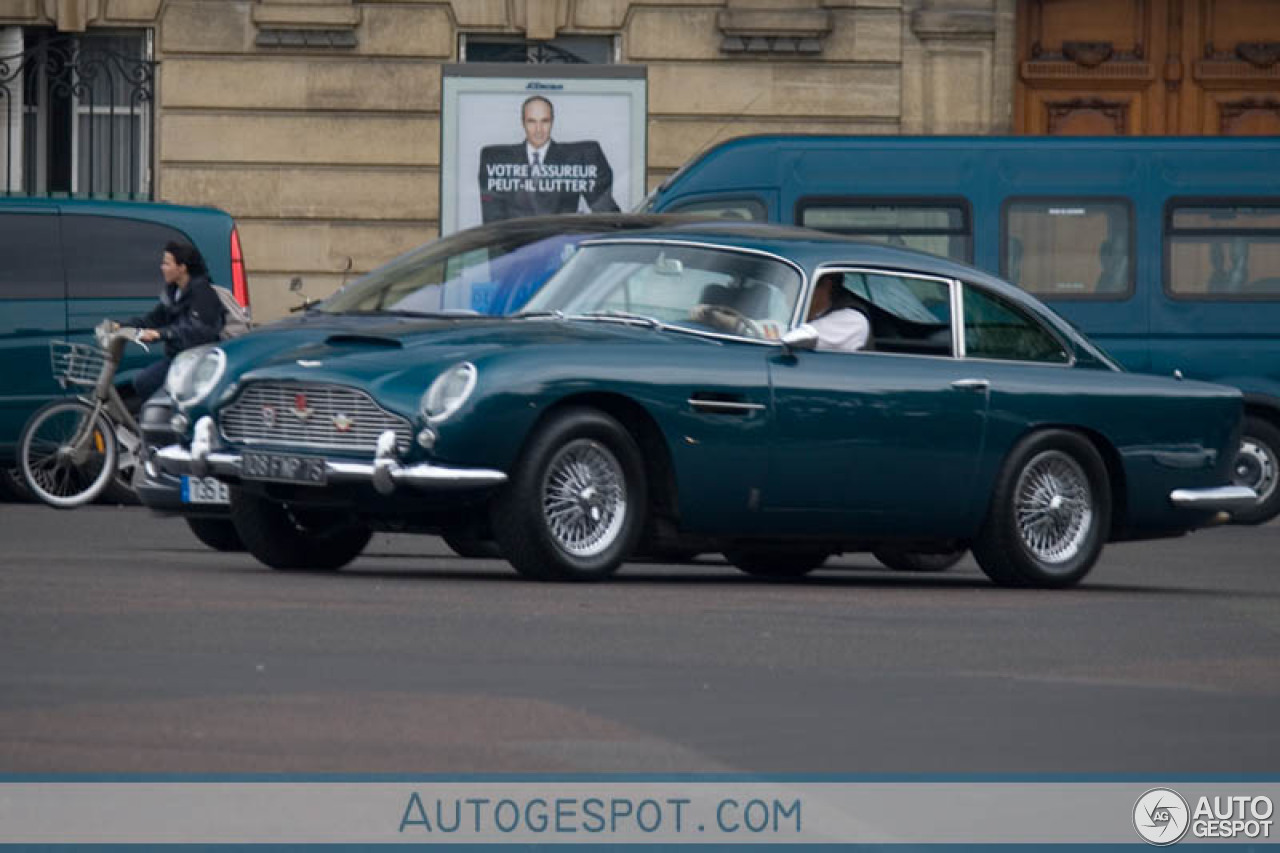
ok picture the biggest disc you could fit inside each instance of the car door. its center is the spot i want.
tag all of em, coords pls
(883, 441)
(32, 298)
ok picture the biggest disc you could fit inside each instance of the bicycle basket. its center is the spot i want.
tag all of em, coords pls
(77, 364)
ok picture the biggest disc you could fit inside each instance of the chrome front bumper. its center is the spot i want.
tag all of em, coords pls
(385, 472)
(1220, 499)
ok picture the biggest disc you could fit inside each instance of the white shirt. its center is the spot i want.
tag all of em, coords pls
(844, 330)
(529, 151)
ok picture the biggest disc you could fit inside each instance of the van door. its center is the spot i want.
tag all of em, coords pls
(32, 296)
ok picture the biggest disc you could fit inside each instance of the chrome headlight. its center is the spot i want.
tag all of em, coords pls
(194, 373)
(447, 394)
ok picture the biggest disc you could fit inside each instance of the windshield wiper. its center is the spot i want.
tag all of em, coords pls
(623, 317)
(528, 315)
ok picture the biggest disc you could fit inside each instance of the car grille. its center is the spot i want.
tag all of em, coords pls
(336, 418)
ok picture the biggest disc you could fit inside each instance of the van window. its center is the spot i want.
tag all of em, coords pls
(1064, 247)
(115, 258)
(32, 259)
(995, 328)
(1216, 251)
(938, 228)
(747, 209)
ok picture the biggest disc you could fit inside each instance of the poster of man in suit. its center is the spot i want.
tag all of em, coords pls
(541, 175)
(569, 143)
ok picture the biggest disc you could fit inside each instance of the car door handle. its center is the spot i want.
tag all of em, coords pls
(723, 404)
(971, 384)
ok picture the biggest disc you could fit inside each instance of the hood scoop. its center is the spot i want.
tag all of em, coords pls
(349, 339)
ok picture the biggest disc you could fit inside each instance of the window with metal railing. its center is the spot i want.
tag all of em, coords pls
(76, 113)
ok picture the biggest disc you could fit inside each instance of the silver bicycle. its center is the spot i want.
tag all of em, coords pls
(74, 449)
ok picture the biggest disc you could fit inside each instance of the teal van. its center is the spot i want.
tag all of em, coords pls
(65, 264)
(1166, 251)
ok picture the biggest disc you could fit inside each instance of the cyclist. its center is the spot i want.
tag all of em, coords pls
(189, 314)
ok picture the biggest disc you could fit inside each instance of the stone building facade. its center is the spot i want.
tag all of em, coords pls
(316, 123)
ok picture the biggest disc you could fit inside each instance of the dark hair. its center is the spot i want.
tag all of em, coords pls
(187, 255)
(529, 100)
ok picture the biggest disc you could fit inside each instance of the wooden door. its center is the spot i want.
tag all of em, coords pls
(1130, 67)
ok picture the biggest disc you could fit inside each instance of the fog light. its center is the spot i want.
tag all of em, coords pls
(427, 438)
(179, 423)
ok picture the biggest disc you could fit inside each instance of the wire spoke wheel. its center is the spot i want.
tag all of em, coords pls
(1053, 507)
(584, 497)
(60, 470)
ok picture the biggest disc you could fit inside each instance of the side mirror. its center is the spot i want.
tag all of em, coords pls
(802, 337)
(295, 284)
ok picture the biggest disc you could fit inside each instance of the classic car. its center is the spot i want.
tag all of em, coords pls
(604, 415)
(489, 269)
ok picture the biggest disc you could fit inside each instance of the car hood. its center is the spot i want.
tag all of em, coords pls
(402, 355)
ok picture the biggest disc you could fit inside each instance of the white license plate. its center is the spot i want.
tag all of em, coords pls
(204, 490)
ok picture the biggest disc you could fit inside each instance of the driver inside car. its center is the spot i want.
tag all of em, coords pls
(835, 318)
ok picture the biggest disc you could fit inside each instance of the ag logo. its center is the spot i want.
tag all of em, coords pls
(1161, 816)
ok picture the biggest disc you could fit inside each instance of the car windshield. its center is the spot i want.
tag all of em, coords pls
(669, 283)
(479, 271)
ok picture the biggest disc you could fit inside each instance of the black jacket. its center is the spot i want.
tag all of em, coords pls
(185, 317)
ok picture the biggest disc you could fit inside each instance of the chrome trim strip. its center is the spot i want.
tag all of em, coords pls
(1221, 498)
(725, 405)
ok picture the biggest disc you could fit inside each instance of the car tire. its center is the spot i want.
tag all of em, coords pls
(776, 562)
(575, 505)
(296, 540)
(902, 560)
(472, 547)
(217, 533)
(1257, 466)
(1049, 515)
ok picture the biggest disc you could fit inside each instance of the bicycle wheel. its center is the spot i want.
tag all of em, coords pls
(67, 461)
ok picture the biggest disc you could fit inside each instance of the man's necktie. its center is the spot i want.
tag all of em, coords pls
(535, 159)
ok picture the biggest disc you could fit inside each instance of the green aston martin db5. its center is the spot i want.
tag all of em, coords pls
(685, 385)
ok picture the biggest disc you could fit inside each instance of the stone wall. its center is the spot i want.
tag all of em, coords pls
(316, 123)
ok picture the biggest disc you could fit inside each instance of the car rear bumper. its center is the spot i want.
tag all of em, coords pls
(385, 473)
(1219, 499)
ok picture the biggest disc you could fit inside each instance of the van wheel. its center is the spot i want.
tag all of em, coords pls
(1049, 514)
(1255, 466)
(217, 533)
(290, 539)
(778, 562)
(575, 505)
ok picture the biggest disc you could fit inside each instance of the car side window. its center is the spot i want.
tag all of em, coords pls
(907, 314)
(32, 258)
(995, 328)
(115, 258)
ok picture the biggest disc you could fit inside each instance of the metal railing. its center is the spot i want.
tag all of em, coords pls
(75, 118)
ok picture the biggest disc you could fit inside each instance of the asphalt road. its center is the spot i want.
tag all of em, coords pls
(125, 646)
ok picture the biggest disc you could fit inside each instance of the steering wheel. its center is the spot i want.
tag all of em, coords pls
(726, 319)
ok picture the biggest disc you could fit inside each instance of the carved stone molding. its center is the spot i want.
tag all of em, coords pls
(953, 24)
(306, 23)
(773, 31)
(1115, 112)
(72, 16)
